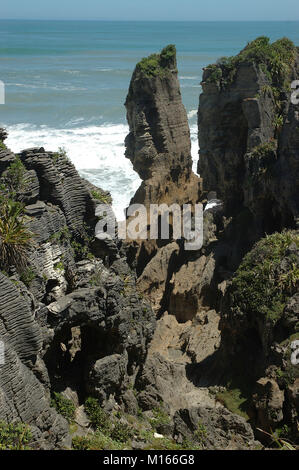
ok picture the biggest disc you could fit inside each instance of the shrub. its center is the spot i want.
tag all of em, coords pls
(201, 433)
(261, 285)
(96, 279)
(278, 123)
(262, 158)
(59, 266)
(81, 443)
(61, 236)
(81, 243)
(98, 417)
(96, 441)
(27, 276)
(264, 150)
(81, 250)
(121, 432)
(168, 54)
(14, 436)
(161, 418)
(215, 73)
(64, 406)
(15, 238)
(13, 180)
(158, 64)
(275, 59)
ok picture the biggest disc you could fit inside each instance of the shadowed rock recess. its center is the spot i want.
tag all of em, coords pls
(108, 342)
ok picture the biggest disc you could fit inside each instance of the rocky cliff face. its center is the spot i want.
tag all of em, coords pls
(180, 285)
(70, 322)
(209, 361)
(159, 147)
(249, 153)
(248, 149)
(247, 138)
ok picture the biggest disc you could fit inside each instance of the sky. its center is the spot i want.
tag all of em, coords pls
(163, 10)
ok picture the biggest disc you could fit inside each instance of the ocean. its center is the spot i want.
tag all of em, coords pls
(66, 84)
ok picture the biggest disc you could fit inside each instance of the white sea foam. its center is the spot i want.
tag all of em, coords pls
(189, 78)
(47, 87)
(192, 113)
(96, 151)
(194, 146)
(72, 72)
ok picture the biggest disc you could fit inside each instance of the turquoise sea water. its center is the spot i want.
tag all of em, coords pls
(66, 83)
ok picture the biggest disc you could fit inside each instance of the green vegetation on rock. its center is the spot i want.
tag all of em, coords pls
(96, 278)
(64, 406)
(102, 197)
(274, 59)
(158, 64)
(121, 432)
(59, 266)
(234, 400)
(99, 419)
(13, 179)
(264, 150)
(27, 276)
(15, 238)
(61, 235)
(14, 436)
(161, 418)
(61, 154)
(118, 430)
(201, 433)
(262, 158)
(267, 277)
(97, 441)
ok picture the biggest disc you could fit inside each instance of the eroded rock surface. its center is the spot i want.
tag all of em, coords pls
(70, 321)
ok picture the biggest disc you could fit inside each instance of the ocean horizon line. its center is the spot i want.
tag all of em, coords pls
(148, 21)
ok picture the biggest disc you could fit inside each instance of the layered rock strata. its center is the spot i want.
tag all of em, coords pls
(69, 320)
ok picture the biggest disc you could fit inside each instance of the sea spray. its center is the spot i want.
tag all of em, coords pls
(96, 151)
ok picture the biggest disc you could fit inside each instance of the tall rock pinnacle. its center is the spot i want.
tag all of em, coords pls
(159, 143)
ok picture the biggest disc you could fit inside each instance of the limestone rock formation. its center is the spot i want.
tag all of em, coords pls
(159, 147)
(159, 143)
(70, 321)
(194, 339)
(170, 372)
(180, 285)
(63, 186)
(216, 428)
(22, 396)
(177, 283)
(248, 149)
(247, 133)
(249, 153)
(259, 323)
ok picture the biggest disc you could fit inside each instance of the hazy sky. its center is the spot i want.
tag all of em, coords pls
(205, 10)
